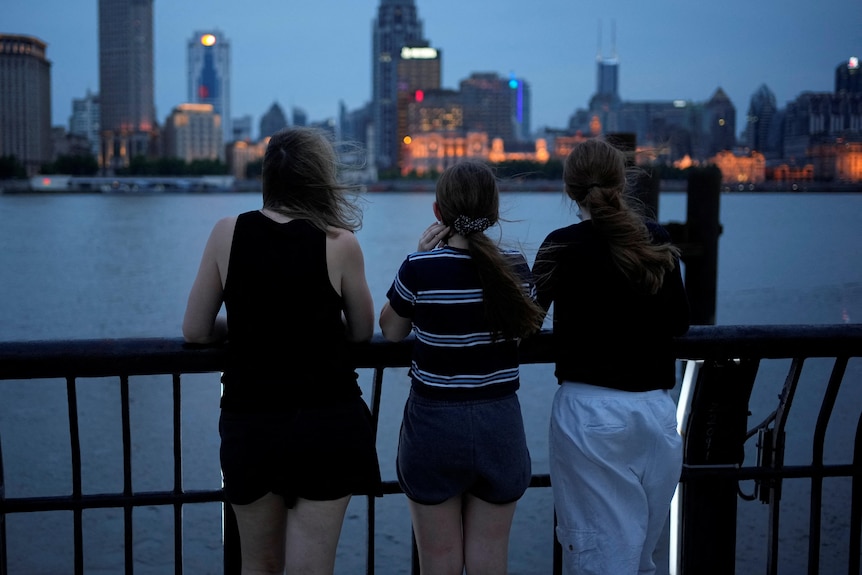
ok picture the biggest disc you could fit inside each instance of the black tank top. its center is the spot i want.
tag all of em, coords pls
(286, 345)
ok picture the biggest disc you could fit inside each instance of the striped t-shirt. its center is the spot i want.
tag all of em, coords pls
(455, 355)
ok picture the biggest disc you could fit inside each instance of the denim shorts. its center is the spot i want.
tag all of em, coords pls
(449, 448)
(316, 453)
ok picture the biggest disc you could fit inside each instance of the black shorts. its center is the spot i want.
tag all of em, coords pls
(316, 453)
(449, 448)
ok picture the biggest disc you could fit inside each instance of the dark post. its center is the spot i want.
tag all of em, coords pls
(700, 255)
(714, 439)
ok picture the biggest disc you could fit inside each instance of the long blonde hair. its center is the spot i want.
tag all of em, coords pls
(468, 190)
(595, 176)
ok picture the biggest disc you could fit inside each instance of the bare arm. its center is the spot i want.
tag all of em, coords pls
(347, 273)
(393, 326)
(202, 323)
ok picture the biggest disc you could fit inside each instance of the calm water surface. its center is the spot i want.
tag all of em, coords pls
(90, 266)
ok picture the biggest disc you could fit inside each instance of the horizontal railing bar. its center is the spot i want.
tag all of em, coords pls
(690, 473)
(110, 500)
(107, 500)
(150, 356)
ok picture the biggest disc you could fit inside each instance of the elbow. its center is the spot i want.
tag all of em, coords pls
(362, 336)
(195, 337)
(203, 335)
(395, 332)
(388, 335)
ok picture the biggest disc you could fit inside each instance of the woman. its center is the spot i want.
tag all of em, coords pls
(618, 296)
(292, 279)
(462, 454)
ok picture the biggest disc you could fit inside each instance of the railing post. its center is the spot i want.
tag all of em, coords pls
(714, 433)
(2, 514)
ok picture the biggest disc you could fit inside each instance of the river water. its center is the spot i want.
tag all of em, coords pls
(118, 266)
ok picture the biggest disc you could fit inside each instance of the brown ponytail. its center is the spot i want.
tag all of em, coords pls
(469, 190)
(595, 177)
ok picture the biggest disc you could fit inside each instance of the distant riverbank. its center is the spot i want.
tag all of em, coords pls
(222, 184)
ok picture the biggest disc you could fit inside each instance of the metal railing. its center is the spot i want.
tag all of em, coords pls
(722, 364)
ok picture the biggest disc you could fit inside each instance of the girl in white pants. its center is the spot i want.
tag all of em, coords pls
(615, 459)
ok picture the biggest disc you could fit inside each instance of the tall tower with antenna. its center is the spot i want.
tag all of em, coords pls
(605, 103)
(607, 85)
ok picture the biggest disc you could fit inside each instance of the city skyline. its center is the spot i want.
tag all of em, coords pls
(302, 56)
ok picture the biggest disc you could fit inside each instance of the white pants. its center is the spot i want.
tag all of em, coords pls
(615, 461)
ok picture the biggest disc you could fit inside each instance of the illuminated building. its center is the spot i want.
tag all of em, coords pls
(748, 169)
(209, 75)
(519, 94)
(817, 119)
(489, 105)
(25, 101)
(193, 132)
(839, 161)
(239, 154)
(436, 111)
(397, 25)
(436, 151)
(126, 89)
(418, 71)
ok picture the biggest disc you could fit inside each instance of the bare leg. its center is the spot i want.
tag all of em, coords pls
(486, 536)
(313, 529)
(438, 537)
(261, 535)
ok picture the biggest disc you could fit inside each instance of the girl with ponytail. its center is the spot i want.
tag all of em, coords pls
(615, 283)
(462, 454)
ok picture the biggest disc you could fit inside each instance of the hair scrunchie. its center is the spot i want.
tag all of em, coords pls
(465, 225)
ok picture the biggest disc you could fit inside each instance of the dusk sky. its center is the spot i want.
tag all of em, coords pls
(314, 54)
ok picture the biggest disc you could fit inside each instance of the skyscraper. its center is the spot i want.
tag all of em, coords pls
(25, 101)
(848, 77)
(193, 132)
(209, 75)
(760, 132)
(519, 94)
(85, 121)
(397, 25)
(720, 123)
(126, 88)
(605, 103)
(272, 121)
(489, 105)
(418, 71)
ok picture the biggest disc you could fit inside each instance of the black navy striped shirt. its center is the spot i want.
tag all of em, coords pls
(456, 356)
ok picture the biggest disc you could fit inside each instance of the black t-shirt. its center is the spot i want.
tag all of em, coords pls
(608, 332)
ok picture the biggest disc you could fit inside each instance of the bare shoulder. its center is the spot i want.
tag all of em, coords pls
(222, 232)
(225, 227)
(343, 242)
